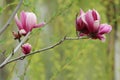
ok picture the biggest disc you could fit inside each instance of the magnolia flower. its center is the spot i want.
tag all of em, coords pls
(27, 22)
(89, 24)
(26, 48)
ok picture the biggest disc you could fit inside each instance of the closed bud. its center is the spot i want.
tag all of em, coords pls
(26, 48)
(16, 35)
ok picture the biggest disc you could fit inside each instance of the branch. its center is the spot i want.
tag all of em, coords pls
(44, 49)
(14, 51)
(11, 17)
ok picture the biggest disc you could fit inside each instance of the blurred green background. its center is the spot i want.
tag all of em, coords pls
(83, 59)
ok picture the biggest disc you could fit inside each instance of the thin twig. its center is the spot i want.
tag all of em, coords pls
(11, 17)
(44, 49)
(3, 54)
(15, 50)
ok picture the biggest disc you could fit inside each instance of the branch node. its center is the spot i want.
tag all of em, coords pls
(12, 52)
(23, 57)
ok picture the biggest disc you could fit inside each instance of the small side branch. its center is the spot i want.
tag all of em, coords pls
(11, 17)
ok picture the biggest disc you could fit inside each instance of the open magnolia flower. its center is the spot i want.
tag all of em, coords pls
(27, 22)
(88, 24)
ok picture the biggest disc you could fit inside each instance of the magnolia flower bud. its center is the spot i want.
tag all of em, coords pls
(16, 35)
(26, 48)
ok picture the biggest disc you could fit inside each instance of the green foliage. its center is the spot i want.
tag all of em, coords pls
(1, 9)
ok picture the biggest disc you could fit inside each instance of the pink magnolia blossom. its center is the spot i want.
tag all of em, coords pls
(88, 24)
(26, 48)
(27, 22)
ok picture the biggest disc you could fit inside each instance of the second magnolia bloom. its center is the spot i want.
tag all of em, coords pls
(27, 22)
(88, 24)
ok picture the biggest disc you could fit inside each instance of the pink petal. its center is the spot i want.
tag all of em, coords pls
(96, 26)
(79, 23)
(101, 37)
(95, 14)
(104, 28)
(39, 25)
(89, 20)
(18, 22)
(83, 19)
(31, 21)
(23, 19)
(81, 12)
